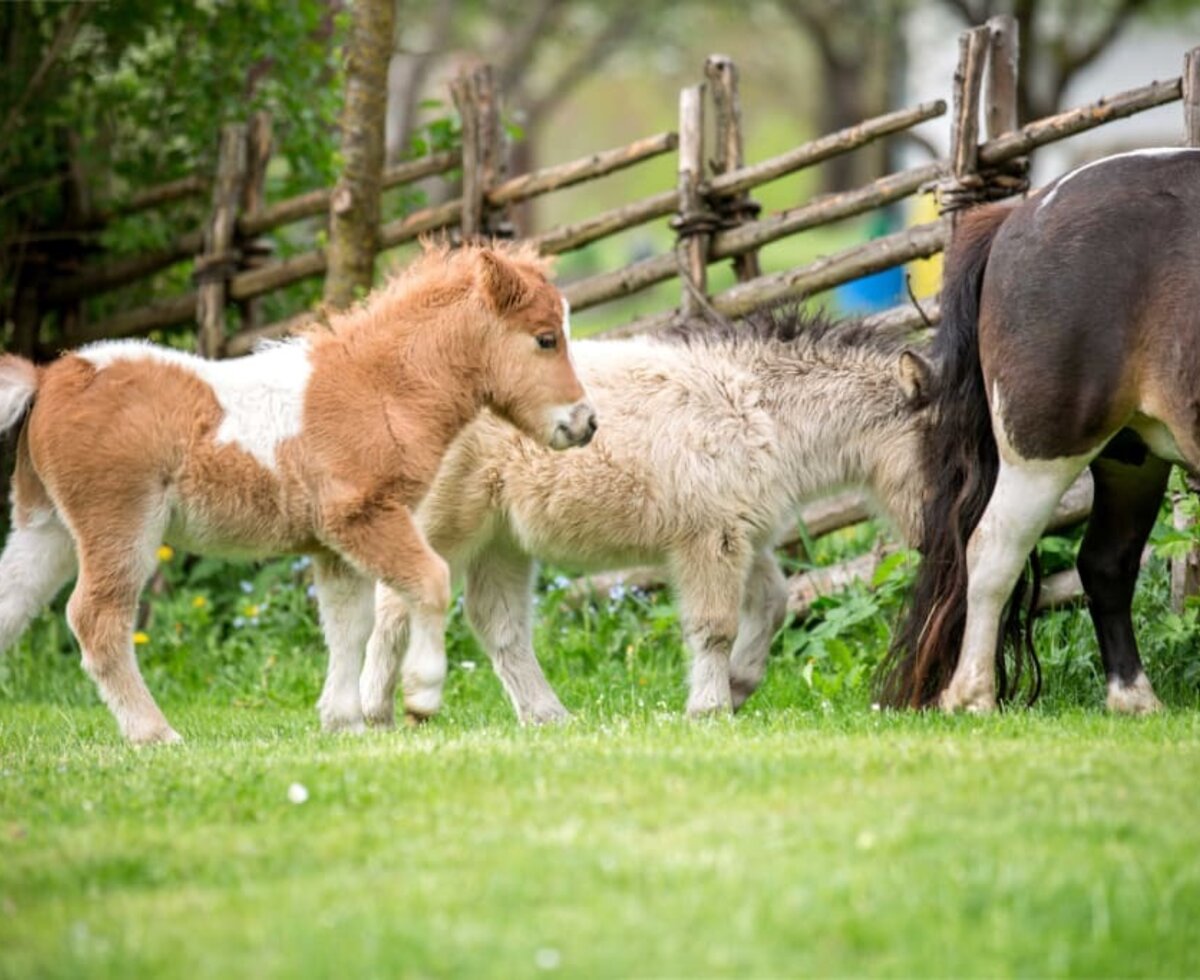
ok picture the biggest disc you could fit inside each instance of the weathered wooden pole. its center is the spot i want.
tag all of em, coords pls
(729, 153)
(216, 265)
(1004, 54)
(692, 220)
(1185, 570)
(964, 131)
(1191, 97)
(477, 98)
(255, 252)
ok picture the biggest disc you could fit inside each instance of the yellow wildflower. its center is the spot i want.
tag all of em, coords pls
(250, 611)
(165, 552)
(199, 602)
(140, 638)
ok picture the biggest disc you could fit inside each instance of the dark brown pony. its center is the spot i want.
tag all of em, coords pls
(1070, 337)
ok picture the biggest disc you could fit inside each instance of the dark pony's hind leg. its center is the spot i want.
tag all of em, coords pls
(1127, 499)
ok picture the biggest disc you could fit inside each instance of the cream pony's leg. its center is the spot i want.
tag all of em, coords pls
(764, 609)
(346, 602)
(499, 606)
(710, 574)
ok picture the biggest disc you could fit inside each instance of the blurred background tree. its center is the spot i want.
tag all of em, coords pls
(98, 100)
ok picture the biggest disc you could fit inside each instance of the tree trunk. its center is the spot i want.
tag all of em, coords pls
(354, 207)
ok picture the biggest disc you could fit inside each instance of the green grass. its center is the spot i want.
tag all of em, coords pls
(810, 835)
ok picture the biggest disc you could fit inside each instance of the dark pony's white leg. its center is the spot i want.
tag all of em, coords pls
(346, 602)
(764, 608)
(1020, 506)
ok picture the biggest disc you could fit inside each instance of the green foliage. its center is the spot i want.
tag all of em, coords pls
(144, 86)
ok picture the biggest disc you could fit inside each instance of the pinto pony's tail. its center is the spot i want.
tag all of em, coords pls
(18, 385)
(960, 462)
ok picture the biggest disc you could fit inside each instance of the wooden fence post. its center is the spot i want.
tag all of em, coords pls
(729, 153)
(964, 132)
(477, 98)
(255, 252)
(218, 262)
(1000, 112)
(693, 222)
(1185, 570)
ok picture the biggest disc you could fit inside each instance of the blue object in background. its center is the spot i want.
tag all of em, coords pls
(880, 291)
(873, 293)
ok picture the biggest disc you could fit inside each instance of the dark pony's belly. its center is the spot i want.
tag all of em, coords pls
(1090, 311)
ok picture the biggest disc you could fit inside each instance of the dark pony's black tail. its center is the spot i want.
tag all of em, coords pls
(960, 465)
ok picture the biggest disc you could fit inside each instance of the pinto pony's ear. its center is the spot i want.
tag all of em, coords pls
(505, 288)
(915, 375)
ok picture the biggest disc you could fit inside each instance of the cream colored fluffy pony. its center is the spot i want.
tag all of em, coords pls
(708, 440)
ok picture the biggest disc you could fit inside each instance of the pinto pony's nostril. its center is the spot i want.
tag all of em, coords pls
(589, 430)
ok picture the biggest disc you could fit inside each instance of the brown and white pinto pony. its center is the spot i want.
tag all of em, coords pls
(319, 445)
(711, 438)
(1070, 337)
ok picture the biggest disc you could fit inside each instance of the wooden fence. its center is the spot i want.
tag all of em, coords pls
(709, 208)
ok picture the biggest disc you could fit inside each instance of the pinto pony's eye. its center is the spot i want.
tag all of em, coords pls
(547, 341)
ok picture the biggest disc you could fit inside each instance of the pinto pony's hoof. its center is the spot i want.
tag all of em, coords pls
(415, 719)
(336, 723)
(382, 718)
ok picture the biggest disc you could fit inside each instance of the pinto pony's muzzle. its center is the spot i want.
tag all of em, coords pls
(572, 425)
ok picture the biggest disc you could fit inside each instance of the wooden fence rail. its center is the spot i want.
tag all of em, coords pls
(739, 238)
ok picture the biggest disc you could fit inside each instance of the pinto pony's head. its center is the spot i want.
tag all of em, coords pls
(531, 378)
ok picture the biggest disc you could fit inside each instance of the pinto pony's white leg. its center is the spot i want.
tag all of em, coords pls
(346, 602)
(383, 540)
(423, 673)
(500, 609)
(38, 560)
(385, 649)
(764, 610)
(1022, 501)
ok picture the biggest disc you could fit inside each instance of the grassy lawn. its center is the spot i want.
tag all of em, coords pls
(811, 835)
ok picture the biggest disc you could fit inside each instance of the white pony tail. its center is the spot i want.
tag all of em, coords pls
(18, 385)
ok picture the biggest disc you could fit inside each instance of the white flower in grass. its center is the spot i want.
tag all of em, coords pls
(467, 665)
(547, 958)
(297, 793)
